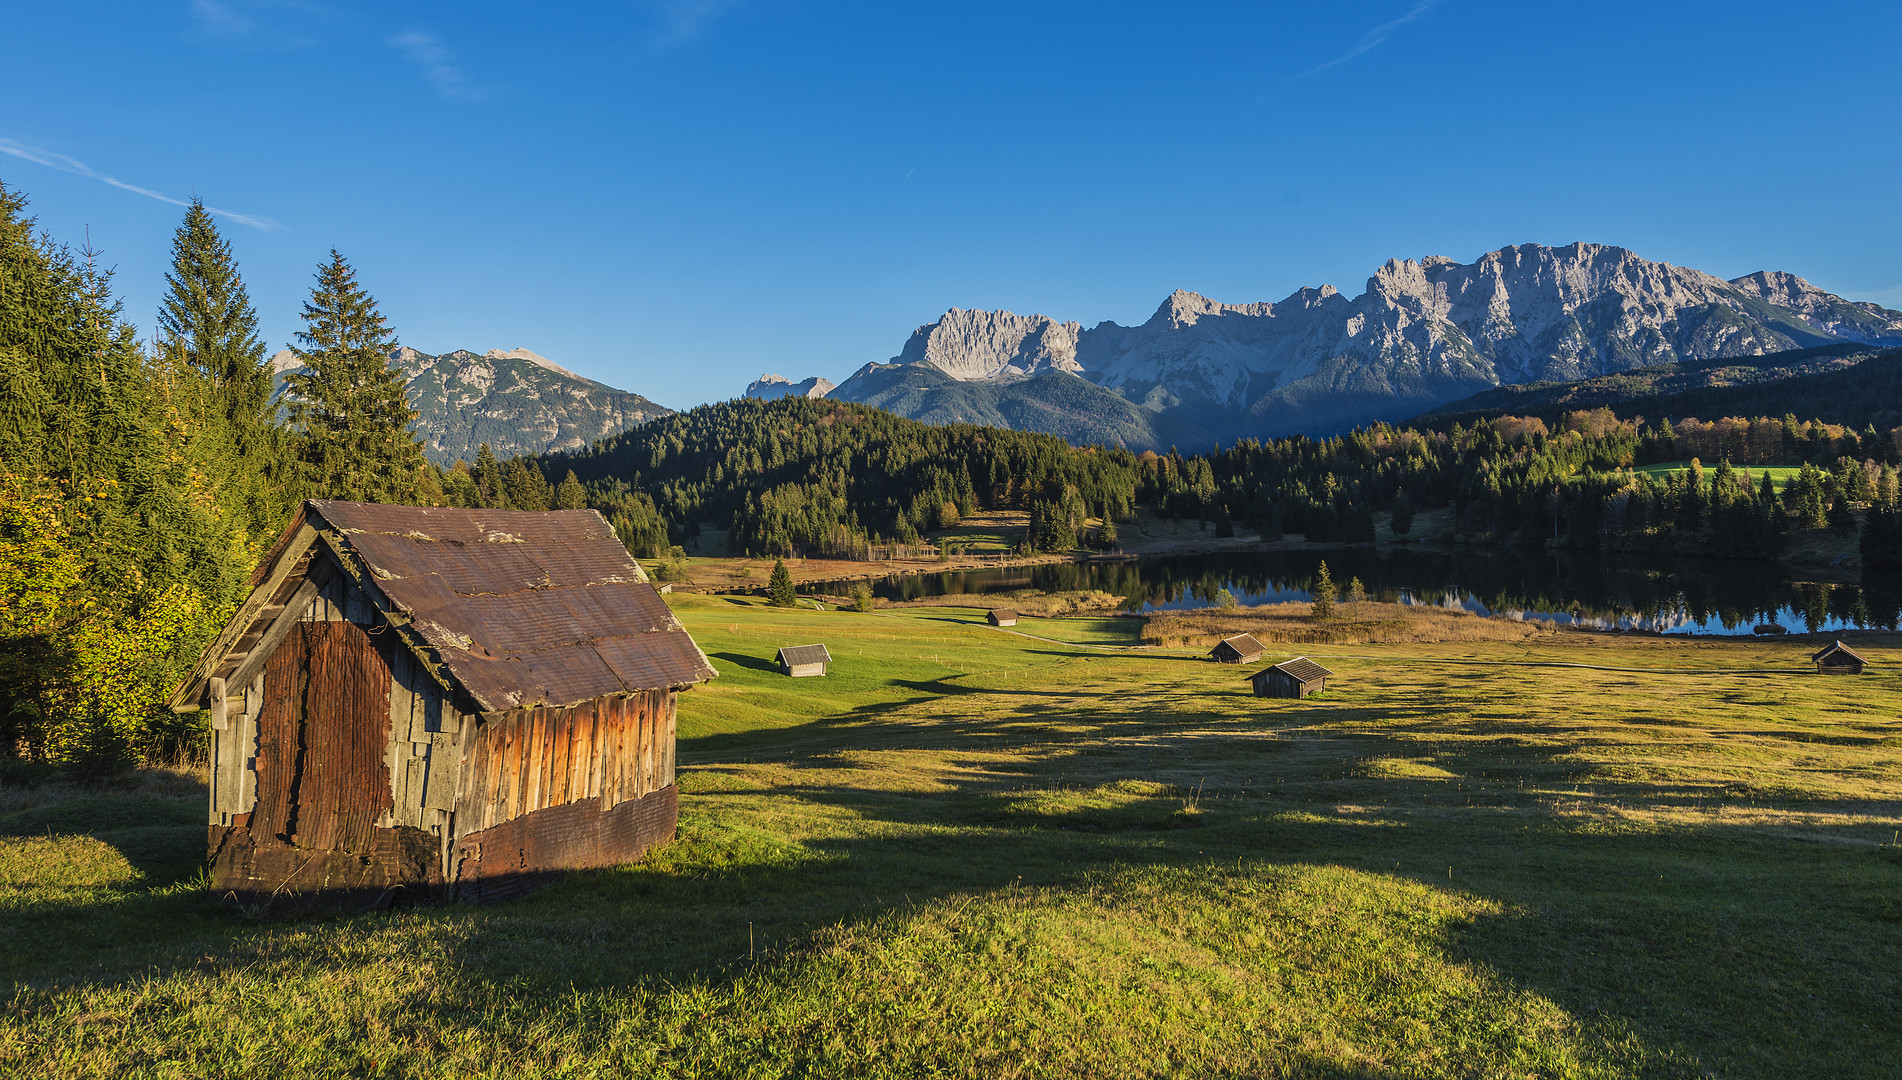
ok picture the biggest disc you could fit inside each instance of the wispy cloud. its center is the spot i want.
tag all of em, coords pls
(1374, 38)
(65, 164)
(684, 20)
(221, 19)
(427, 52)
(245, 22)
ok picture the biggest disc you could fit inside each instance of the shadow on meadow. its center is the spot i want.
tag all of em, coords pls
(1713, 940)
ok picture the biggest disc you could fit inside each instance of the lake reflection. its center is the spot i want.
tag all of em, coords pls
(1708, 596)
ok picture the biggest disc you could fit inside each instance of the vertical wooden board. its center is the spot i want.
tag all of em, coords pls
(667, 737)
(544, 754)
(610, 755)
(563, 729)
(524, 741)
(537, 738)
(595, 754)
(644, 742)
(247, 748)
(531, 761)
(504, 773)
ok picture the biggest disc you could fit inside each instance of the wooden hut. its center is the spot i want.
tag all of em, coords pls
(1295, 678)
(1001, 617)
(439, 703)
(1240, 649)
(802, 661)
(1838, 659)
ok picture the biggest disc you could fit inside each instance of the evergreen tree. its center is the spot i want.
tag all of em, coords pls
(779, 589)
(487, 476)
(1324, 593)
(570, 496)
(350, 419)
(527, 488)
(1402, 523)
(208, 343)
(1356, 594)
(113, 562)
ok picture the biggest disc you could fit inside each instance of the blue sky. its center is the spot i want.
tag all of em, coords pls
(675, 196)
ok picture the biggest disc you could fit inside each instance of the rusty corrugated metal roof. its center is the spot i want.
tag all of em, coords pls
(524, 608)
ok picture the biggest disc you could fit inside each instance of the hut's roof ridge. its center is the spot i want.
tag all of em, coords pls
(1837, 647)
(1242, 643)
(794, 655)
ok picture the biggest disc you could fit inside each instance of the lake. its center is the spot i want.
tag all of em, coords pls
(1668, 595)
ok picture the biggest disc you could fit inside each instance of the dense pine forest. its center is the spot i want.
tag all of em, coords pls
(141, 480)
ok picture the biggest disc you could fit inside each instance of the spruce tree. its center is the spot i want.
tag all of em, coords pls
(487, 477)
(570, 495)
(350, 419)
(208, 344)
(779, 590)
(1324, 593)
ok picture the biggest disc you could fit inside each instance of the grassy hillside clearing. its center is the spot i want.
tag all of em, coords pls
(1783, 474)
(972, 853)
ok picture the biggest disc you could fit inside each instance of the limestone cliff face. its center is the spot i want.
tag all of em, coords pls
(768, 387)
(992, 346)
(516, 401)
(1422, 333)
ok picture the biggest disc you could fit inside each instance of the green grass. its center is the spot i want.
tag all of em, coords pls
(969, 853)
(1783, 474)
(981, 539)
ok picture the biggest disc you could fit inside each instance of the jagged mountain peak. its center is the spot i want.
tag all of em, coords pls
(769, 387)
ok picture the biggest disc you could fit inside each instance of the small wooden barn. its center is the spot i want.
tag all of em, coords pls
(1295, 678)
(1001, 617)
(439, 703)
(1240, 649)
(802, 661)
(1838, 659)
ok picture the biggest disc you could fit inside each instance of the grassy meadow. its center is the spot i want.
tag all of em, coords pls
(968, 852)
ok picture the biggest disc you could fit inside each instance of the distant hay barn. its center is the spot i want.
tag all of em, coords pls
(1838, 659)
(1001, 617)
(1295, 678)
(439, 703)
(804, 661)
(1240, 649)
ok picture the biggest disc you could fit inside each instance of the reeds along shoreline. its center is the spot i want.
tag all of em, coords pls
(1365, 623)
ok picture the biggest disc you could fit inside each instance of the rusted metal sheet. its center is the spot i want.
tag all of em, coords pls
(521, 853)
(344, 785)
(523, 608)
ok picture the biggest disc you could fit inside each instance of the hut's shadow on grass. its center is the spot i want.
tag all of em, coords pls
(1664, 933)
(753, 663)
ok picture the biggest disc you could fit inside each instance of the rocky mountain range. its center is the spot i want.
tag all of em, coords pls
(1422, 334)
(516, 401)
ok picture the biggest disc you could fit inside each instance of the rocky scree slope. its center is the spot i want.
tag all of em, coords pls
(516, 401)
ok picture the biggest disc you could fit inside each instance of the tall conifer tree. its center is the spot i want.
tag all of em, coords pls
(208, 338)
(351, 421)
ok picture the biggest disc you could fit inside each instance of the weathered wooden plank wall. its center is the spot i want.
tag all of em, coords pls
(615, 750)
